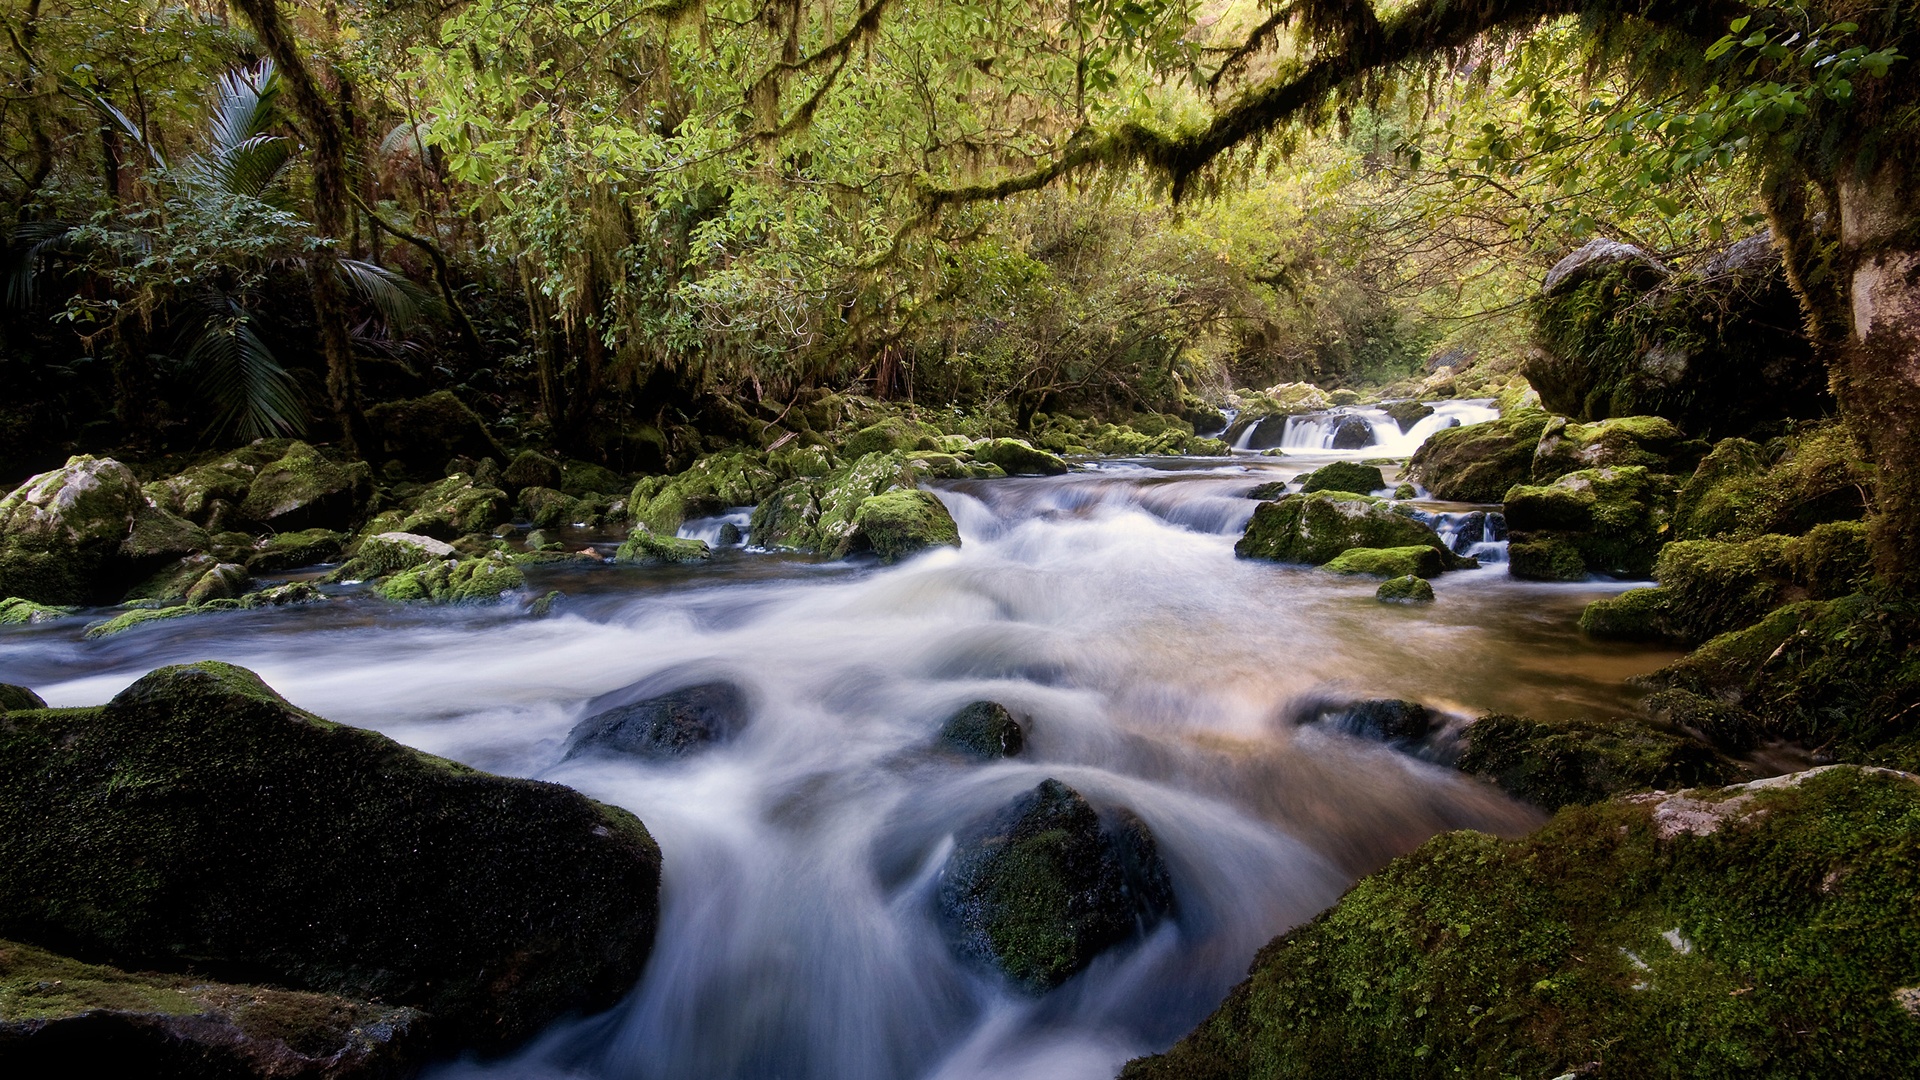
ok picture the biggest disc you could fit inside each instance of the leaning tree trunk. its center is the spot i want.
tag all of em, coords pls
(1876, 364)
(331, 207)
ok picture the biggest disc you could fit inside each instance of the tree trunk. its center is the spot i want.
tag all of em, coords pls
(331, 205)
(1876, 366)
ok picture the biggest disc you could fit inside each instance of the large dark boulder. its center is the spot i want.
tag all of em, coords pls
(1719, 348)
(1479, 462)
(1042, 887)
(662, 725)
(981, 729)
(84, 532)
(1351, 433)
(306, 490)
(200, 821)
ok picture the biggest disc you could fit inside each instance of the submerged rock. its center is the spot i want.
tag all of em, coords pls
(1344, 476)
(665, 726)
(1565, 762)
(1377, 719)
(983, 729)
(1041, 888)
(1315, 529)
(1405, 590)
(60, 1017)
(896, 524)
(1757, 913)
(1479, 462)
(199, 820)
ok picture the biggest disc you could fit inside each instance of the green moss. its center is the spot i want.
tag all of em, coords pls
(200, 819)
(643, 546)
(386, 553)
(1479, 462)
(582, 479)
(788, 519)
(39, 985)
(1404, 590)
(710, 486)
(1651, 442)
(303, 489)
(1559, 763)
(456, 507)
(1771, 946)
(139, 617)
(1017, 457)
(1343, 476)
(1614, 517)
(1416, 561)
(1726, 726)
(1314, 529)
(293, 550)
(15, 610)
(1552, 559)
(1634, 615)
(170, 583)
(896, 524)
(546, 507)
(19, 697)
(892, 433)
(983, 729)
(1742, 490)
(466, 581)
(531, 469)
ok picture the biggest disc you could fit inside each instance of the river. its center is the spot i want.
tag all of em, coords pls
(798, 937)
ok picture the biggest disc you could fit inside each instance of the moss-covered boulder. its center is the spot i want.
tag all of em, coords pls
(892, 433)
(817, 513)
(16, 610)
(667, 725)
(457, 506)
(1043, 886)
(127, 620)
(1841, 675)
(584, 479)
(19, 697)
(1017, 457)
(1718, 348)
(647, 548)
(304, 489)
(1551, 559)
(530, 469)
(462, 581)
(223, 581)
(1563, 762)
(1479, 462)
(84, 532)
(1315, 529)
(896, 524)
(1418, 560)
(1759, 930)
(199, 493)
(60, 1017)
(390, 552)
(983, 729)
(545, 507)
(1344, 476)
(1407, 413)
(1404, 590)
(293, 550)
(1742, 489)
(425, 434)
(1651, 442)
(710, 486)
(1710, 587)
(1614, 517)
(199, 821)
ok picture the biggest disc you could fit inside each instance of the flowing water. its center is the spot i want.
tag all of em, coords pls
(1370, 431)
(798, 936)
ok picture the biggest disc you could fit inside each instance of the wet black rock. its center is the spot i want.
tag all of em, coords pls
(1377, 719)
(984, 729)
(1042, 887)
(1352, 433)
(200, 822)
(666, 725)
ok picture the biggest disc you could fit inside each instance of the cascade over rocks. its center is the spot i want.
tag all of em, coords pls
(1040, 888)
(199, 820)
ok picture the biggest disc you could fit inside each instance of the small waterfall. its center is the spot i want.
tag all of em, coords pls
(721, 530)
(1481, 534)
(1366, 428)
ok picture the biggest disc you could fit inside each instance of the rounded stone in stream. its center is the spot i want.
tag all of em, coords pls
(669, 725)
(1042, 887)
(1379, 719)
(1404, 590)
(1351, 433)
(984, 729)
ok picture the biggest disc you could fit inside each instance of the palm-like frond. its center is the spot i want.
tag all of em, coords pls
(241, 158)
(400, 302)
(405, 140)
(256, 397)
(30, 245)
(121, 122)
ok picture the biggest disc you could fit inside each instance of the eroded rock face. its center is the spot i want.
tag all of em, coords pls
(667, 725)
(200, 820)
(1041, 888)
